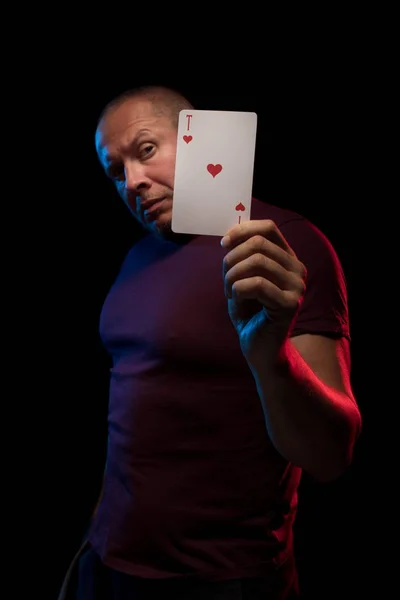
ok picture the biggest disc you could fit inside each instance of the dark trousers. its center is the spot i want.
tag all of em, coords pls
(90, 579)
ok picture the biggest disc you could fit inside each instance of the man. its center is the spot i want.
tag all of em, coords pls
(231, 375)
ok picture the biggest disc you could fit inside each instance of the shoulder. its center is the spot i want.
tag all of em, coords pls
(139, 255)
(310, 244)
(264, 210)
(324, 309)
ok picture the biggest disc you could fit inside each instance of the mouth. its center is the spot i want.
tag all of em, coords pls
(147, 204)
(151, 207)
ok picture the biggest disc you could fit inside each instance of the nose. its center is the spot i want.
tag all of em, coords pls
(135, 178)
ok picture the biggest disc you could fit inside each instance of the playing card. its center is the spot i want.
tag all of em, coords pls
(214, 171)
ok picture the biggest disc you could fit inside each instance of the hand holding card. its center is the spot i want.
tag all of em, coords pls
(213, 171)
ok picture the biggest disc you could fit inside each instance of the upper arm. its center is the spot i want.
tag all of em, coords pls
(324, 308)
(328, 358)
(321, 330)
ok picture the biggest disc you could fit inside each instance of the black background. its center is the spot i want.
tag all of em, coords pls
(315, 154)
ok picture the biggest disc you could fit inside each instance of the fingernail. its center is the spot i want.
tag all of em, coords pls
(225, 241)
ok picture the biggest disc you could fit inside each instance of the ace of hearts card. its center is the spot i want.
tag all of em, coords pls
(213, 171)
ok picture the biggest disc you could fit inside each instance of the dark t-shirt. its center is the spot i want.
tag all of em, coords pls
(193, 484)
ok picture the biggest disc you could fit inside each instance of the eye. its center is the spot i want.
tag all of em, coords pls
(147, 150)
(119, 174)
(116, 172)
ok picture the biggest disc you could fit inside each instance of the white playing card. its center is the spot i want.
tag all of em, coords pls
(214, 171)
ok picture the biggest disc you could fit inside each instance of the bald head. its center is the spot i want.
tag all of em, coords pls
(164, 101)
(136, 139)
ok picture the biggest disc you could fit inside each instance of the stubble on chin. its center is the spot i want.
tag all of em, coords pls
(164, 230)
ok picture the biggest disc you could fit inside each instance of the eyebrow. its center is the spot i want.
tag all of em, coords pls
(109, 158)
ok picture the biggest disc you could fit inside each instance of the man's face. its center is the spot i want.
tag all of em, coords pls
(137, 149)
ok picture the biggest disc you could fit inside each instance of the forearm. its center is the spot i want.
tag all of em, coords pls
(310, 424)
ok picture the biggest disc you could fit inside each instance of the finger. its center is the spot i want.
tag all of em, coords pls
(265, 228)
(259, 265)
(260, 245)
(265, 292)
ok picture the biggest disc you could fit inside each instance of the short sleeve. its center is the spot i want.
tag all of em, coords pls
(324, 309)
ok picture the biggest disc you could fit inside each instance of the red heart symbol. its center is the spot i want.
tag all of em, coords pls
(187, 138)
(240, 206)
(214, 169)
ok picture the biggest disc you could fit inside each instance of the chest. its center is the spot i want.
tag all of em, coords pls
(172, 305)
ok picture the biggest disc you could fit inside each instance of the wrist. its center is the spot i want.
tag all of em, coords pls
(273, 361)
